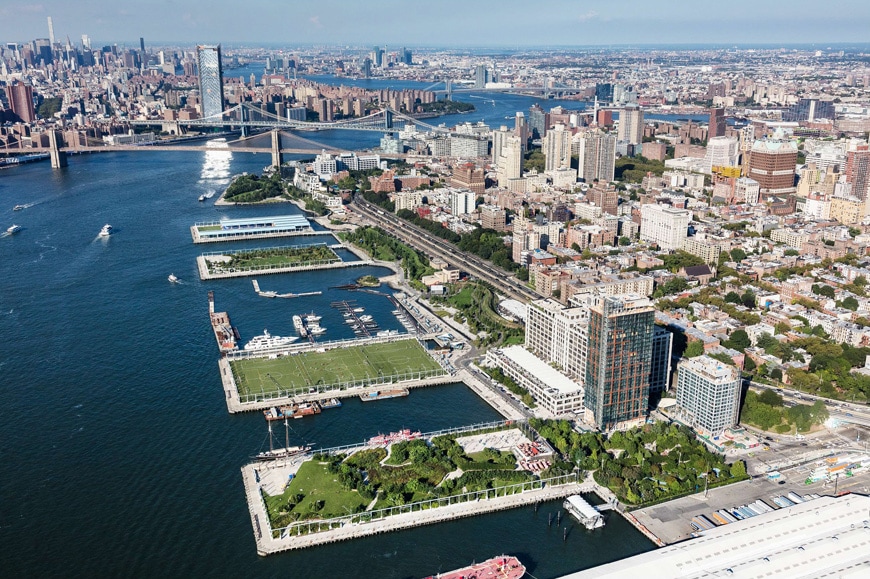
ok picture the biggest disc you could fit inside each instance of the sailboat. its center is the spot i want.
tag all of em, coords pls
(286, 452)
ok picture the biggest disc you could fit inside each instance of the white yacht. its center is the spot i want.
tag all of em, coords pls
(13, 229)
(365, 318)
(267, 341)
(300, 327)
(312, 317)
(316, 329)
(106, 231)
(172, 278)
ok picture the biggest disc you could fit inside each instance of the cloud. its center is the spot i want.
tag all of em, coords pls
(591, 15)
(315, 20)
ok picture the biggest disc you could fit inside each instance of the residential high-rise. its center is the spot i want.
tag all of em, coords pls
(631, 125)
(660, 365)
(809, 110)
(211, 79)
(510, 161)
(858, 169)
(596, 154)
(20, 97)
(539, 121)
(498, 138)
(717, 123)
(721, 152)
(708, 394)
(664, 225)
(620, 338)
(772, 164)
(492, 217)
(462, 202)
(521, 129)
(481, 76)
(556, 146)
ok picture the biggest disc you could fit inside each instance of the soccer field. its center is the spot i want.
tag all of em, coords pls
(297, 373)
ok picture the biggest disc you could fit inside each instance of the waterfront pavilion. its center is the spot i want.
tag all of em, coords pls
(238, 228)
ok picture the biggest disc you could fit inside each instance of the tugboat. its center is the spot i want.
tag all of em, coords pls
(106, 231)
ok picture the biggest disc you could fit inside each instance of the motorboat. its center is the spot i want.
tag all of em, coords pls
(267, 341)
(316, 330)
(13, 229)
(106, 231)
(19, 207)
(312, 317)
(172, 278)
(202, 198)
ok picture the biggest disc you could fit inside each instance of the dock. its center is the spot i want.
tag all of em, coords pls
(274, 294)
(268, 227)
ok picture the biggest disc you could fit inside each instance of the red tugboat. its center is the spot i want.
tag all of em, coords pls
(496, 568)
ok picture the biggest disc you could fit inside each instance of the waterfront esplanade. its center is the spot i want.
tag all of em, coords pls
(229, 228)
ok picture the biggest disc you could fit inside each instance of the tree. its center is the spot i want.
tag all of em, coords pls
(748, 364)
(49, 106)
(748, 299)
(732, 297)
(850, 303)
(823, 290)
(739, 340)
(738, 469)
(770, 398)
(694, 349)
(738, 254)
(624, 241)
(781, 328)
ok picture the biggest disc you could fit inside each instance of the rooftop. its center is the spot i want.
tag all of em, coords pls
(540, 369)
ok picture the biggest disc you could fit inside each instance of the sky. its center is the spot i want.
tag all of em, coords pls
(431, 23)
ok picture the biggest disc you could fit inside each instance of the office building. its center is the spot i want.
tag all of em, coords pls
(211, 79)
(716, 126)
(20, 97)
(620, 337)
(556, 146)
(630, 125)
(721, 152)
(664, 225)
(809, 110)
(708, 394)
(772, 165)
(660, 363)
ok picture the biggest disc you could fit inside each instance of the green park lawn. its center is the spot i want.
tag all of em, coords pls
(297, 373)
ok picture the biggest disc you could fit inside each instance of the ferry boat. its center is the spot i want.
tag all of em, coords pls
(387, 439)
(172, 278)
(498, 568)
(331, 403)
(384, 394)
(292, 411)
(107, 230)
(13, 229)
(267, 341)
(299, 326)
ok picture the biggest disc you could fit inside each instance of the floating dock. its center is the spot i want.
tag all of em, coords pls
(384, 394)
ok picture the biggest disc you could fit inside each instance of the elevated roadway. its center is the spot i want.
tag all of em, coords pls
(435, 247)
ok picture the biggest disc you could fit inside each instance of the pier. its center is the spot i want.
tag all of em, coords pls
(274, 294)
(312, 533)
(225, 334)
(237, 235)
(205, 274)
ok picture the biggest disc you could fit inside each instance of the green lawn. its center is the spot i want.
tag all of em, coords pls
(314, 483)
(277, 257)
(296, 373)
(209, 228)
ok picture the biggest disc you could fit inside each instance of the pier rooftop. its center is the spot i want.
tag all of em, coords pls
(252, 228)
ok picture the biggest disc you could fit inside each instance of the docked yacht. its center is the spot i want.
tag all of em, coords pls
(106, 231)
(268, 341)
(316, 329)
(312, 317)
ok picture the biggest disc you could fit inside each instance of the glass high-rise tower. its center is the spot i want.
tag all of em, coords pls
(211, 79)
(620, 342)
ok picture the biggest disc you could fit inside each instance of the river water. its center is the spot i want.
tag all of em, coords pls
(118, 456)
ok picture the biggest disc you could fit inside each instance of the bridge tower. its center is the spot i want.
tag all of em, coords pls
(243, 112)
(388, 118)
(58, 157)
(276, 148)
(449, 85)
(546, 88)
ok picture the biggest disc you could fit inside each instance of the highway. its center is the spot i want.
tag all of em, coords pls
(850, 412)
(436, 247)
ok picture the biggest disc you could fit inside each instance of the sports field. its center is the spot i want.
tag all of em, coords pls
(297, 373)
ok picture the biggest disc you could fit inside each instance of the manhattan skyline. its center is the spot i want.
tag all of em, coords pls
(447, 23)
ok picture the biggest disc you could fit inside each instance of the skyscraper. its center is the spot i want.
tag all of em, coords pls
(481, 76)
(858, 169)
(211, 79)
(510, 161)
(717, 123)
(20, 97)
(772, 164)
(596, 154)
(618, 365)
(539, 121)
(708, 394)
(660, 367)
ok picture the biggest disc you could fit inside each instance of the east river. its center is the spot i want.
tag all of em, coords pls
(117, 455)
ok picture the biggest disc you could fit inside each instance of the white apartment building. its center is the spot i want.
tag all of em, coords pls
(665, 226)
(462, 202)
(708, 394)
(551, 389)
(556, 146)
